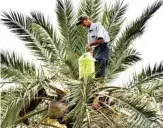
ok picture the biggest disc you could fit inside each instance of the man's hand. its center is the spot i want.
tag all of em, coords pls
(88, 47)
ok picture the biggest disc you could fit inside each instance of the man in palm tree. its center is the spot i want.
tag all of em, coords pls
(98, 39)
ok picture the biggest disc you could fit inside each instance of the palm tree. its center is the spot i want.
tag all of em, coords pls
(134, 105)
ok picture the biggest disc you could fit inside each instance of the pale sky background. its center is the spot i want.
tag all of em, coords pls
(150, 45)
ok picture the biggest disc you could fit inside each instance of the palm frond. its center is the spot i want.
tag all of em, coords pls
(11, 113)
(15, 69)
(92, 8)
(25, 98)
(157, 92)
(71, 43)
(153, 89)
(30, 115)
(42, 47)
(113, 18)
(73, 40)
(38, 18)
(82, 115)
(147, 75)
(137, 108)
(27, 31)
(132, 31)
(6, 98)
(133, 109)
(142, 115)
(65, 19)
(73, 67)
(18, 24)
(129, 58)
(78, 103)
(49, 39)
(135, 29)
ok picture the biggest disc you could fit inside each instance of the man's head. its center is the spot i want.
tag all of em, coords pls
(84, 21)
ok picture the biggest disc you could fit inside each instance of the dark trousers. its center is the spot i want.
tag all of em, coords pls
(101, 54)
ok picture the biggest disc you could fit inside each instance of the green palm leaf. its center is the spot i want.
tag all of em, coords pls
(51, 44)
(147, 75)
(18, 24)
(71, 46)
(129, 58)
(134, 30)
(25, 98)
(114, 18)
(136, 109)
(92, 8)
(16, 69)
(29, 32)
(11, 113)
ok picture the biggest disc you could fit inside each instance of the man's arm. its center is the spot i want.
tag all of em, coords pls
(98, 41)
(100, 37)
(99, 34)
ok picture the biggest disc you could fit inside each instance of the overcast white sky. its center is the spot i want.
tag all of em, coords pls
(150, 45)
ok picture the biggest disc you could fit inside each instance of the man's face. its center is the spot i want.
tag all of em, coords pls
(85, 23)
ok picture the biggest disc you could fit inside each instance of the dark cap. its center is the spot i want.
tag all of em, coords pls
(80, 18)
